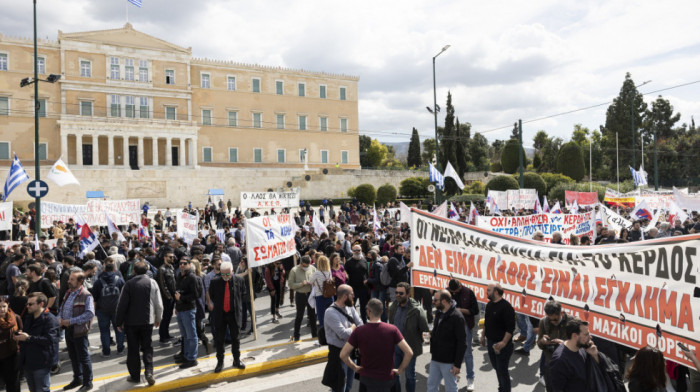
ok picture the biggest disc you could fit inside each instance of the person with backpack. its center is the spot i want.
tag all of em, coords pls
(551, 332)
(358, 274)
(341, 320)
(106, 292)
(398, 270)
(188, 290)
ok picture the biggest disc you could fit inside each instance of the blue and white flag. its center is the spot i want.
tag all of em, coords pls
(137, 3)
(639, 177)
(16, 176)
(436, 177)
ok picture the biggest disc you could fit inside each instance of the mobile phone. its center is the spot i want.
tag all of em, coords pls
(682, 346)
(588, 345)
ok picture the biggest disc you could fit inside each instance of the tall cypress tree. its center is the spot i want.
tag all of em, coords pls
(448, 144)
(414, 159)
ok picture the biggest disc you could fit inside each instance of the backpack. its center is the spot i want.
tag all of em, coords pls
(109, 295)
(384, 276)
(198, 287)
(329, 287)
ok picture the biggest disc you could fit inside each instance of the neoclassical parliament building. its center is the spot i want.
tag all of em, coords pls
(129, 101)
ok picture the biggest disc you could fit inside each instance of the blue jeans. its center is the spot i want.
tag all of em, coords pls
(441, 371)
(349, 377)
(188, 329)
(469, 356)
(500, 364)
(410, 372)
(79, 354)
(104, 320)
(38, 380)
(525, 327)
(322, 303)
(381, 295)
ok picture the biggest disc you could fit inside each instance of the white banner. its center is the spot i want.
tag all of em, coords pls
(122, 212)
(614, 221)
(625, 291)
(260, 200)
(187, 226)
(6, 216)
(526, 226)
(269, 238)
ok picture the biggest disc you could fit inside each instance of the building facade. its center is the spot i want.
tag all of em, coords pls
(129, 100)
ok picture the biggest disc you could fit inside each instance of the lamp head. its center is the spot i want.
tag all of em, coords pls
(26, 82)
(53, 78)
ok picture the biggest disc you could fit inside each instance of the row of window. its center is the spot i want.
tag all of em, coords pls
(5, 151)
(5, 107)
(131, 72)
(208, 153)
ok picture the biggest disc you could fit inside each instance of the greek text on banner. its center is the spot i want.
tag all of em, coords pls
(623, 290)
(269, 238)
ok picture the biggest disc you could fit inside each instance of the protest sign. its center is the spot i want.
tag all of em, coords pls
(548, 224)
(187, 226)
(269, 200)
(625, 291)
(122, 212)
(6, 216)
(583, 199)
(269, 238)
(614, 221)
(521, 199)
(500, 198)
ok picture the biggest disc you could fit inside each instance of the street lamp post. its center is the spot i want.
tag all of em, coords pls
(435, 112)
(27, 81)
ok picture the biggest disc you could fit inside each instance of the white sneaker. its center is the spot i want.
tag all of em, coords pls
(470, 384)
(542, 382)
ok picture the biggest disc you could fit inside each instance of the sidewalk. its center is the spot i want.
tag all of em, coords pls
(258, 360)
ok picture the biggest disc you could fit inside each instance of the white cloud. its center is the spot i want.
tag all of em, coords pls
(508, 59)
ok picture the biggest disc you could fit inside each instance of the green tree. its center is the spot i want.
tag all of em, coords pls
(365, 193)
(570, 161)
(479, 152)
(660, 120)
(365, 143)
(386, 194)
(414, 187)
(623, 118)
(549, 152)
(515, 133)
(495, 150)
(540, 140)
(447, 136)
(536, 161)
(510, 158)
(428, 151)
(532, 181)
(414, 159)
(376, 154)
(501, 183)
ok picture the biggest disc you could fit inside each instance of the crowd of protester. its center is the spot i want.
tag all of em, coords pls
(352, 283)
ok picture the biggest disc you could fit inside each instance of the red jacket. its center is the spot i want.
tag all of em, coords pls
(268, 277)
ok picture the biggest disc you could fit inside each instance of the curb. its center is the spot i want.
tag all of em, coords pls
(251, 370)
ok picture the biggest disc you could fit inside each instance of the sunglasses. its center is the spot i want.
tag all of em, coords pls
(226, 274)
(400, 293)
(31, 303)
(184, 263)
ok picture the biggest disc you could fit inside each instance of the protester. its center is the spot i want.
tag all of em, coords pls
(274, 278)
(226, 293)
(466, 303)
(242, 271)
(322, 274)
(648, 371)
(185, 299)
(167, 288)
(75, 315)
(377, 342)
(10, 325)
(38, 339)
(551, 332)
(407, 315)
(358, 272)
(300, 281)
(137, 316)
(106, 292)
(341, 319)
(499, 325)
(447, 343)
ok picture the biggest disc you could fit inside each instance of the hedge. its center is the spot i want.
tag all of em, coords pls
(365, 193)
(501, 183)
(386, 194)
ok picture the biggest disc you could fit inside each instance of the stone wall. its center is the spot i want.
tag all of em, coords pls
(178, 186)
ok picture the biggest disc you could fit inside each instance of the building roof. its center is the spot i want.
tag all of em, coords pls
(124, 36)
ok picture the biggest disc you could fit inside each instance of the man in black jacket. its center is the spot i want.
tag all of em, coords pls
(226, 293)
(447, 343)
(358, 273)
(37, 343)
(499, 325)
(398, 270)
(166, 284)
(188, 290)
(466, 303)
(140, 308)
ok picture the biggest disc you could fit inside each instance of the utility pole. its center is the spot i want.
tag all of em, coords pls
(520, 152)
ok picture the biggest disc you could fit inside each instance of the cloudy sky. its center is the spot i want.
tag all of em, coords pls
(507, 60)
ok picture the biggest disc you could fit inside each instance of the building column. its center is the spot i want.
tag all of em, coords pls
(95, 150)
(155, 151)
(79, 149)
(139, 152)
(181, 151)
(64, 146)
(168, 152)
(193, 153)
(125, 150)
(110, 150)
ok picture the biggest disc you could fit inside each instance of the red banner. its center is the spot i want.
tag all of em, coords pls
(582, 198)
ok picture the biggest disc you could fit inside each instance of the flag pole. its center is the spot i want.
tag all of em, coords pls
(126, 8)
(252, 303)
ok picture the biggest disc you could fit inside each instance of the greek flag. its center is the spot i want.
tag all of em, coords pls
(436, 177)
(136, 3)
(639, 177)
(16, 176)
